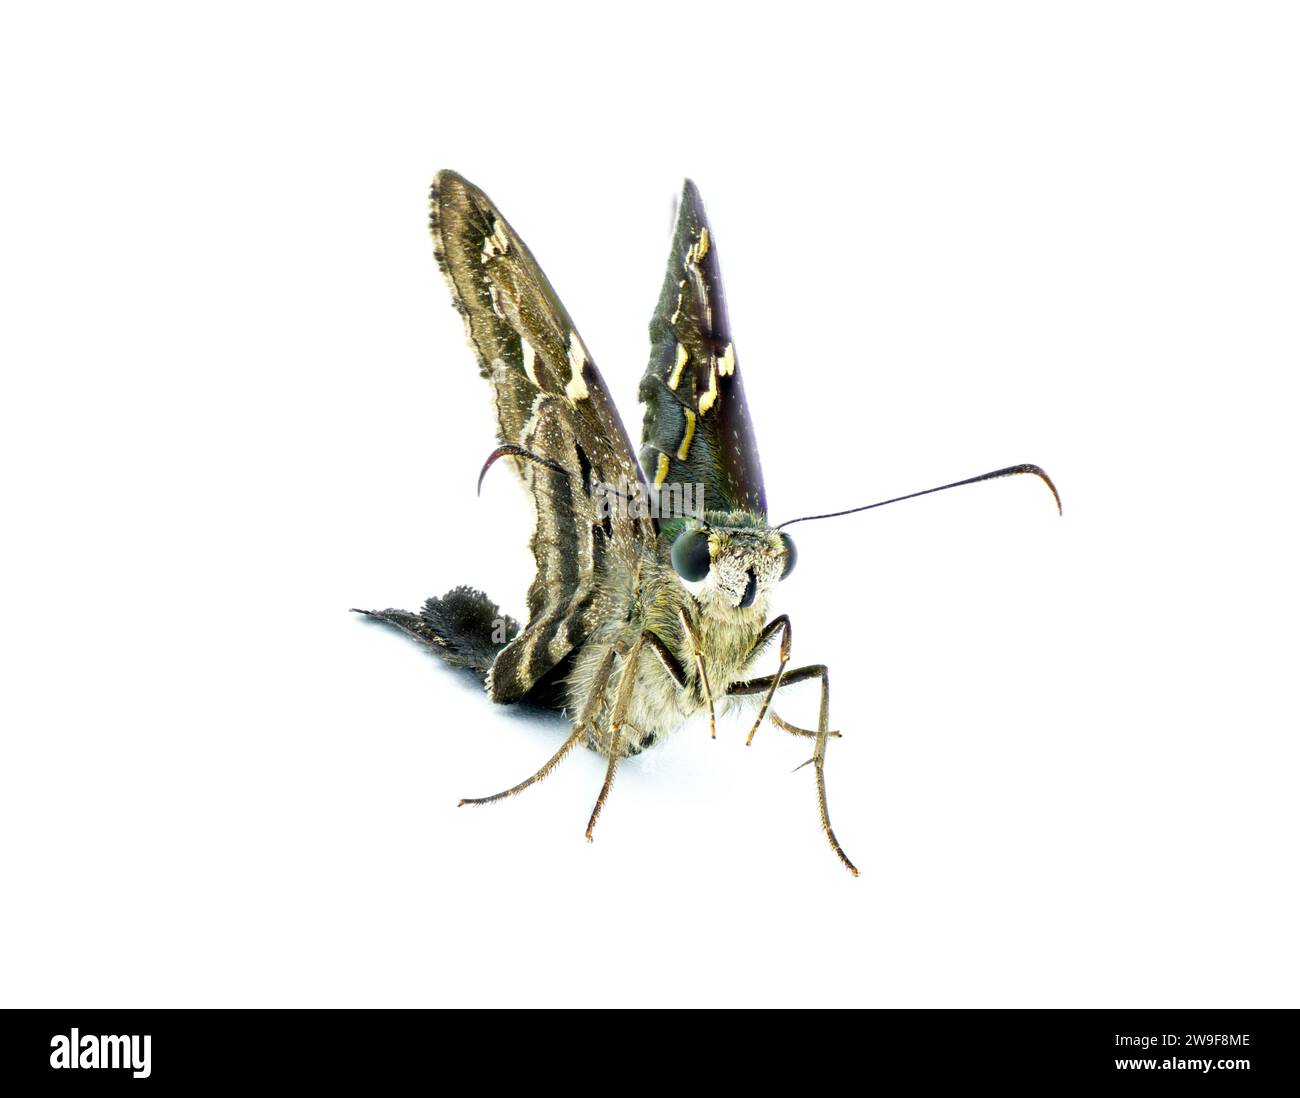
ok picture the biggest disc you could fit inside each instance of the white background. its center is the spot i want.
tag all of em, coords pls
(237, 403)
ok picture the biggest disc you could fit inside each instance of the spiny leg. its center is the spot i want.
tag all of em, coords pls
(782, 623)
(694, 638)
(621, 702)
(795, 730)
(574, 737)
(579, 730)
(755, 686)
(819, 764)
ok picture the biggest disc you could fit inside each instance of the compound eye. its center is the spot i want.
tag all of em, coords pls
(790, 555)
(691, 555)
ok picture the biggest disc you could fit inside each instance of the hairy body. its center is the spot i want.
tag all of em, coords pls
(643, 595)
(637, 621)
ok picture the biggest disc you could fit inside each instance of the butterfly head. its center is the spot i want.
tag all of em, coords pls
(733, 559)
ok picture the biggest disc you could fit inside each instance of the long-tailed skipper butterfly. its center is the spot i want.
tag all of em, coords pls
(655, 569)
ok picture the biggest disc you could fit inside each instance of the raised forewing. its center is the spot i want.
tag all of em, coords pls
(696, 428)
(550, 401)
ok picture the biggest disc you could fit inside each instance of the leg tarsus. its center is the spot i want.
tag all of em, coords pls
(819, 764)
(795, 730)
(615, 744)
(754, 686)
(826, 820)
(579, 730)
(550, 765)
(622, 701)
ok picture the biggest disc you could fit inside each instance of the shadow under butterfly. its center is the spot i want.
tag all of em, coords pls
(654, 575)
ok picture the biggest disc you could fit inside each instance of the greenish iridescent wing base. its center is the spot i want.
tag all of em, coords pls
(696, 428)
(550, 400)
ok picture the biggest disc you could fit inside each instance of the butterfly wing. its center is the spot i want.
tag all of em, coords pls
(551, 401)
(697, 428)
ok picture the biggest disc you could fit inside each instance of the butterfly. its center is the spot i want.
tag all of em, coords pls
(655, 568)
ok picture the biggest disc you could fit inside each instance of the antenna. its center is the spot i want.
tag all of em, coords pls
(1009, 471)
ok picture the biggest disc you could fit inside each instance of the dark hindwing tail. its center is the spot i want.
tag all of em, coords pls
(465, 627)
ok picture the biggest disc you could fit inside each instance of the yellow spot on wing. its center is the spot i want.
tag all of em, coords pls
(699, 249)
(661, 473)
(710, 394)
(675, 378)
(685, 448)
(576, 389)
(530, 361)
(727, 363)
(677, 312)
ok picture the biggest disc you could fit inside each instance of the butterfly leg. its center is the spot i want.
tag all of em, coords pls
(795, 730)
(622, 700)
(666, 657)
(575, 737)
(782, 623)
(801, 674)
(694, 638)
